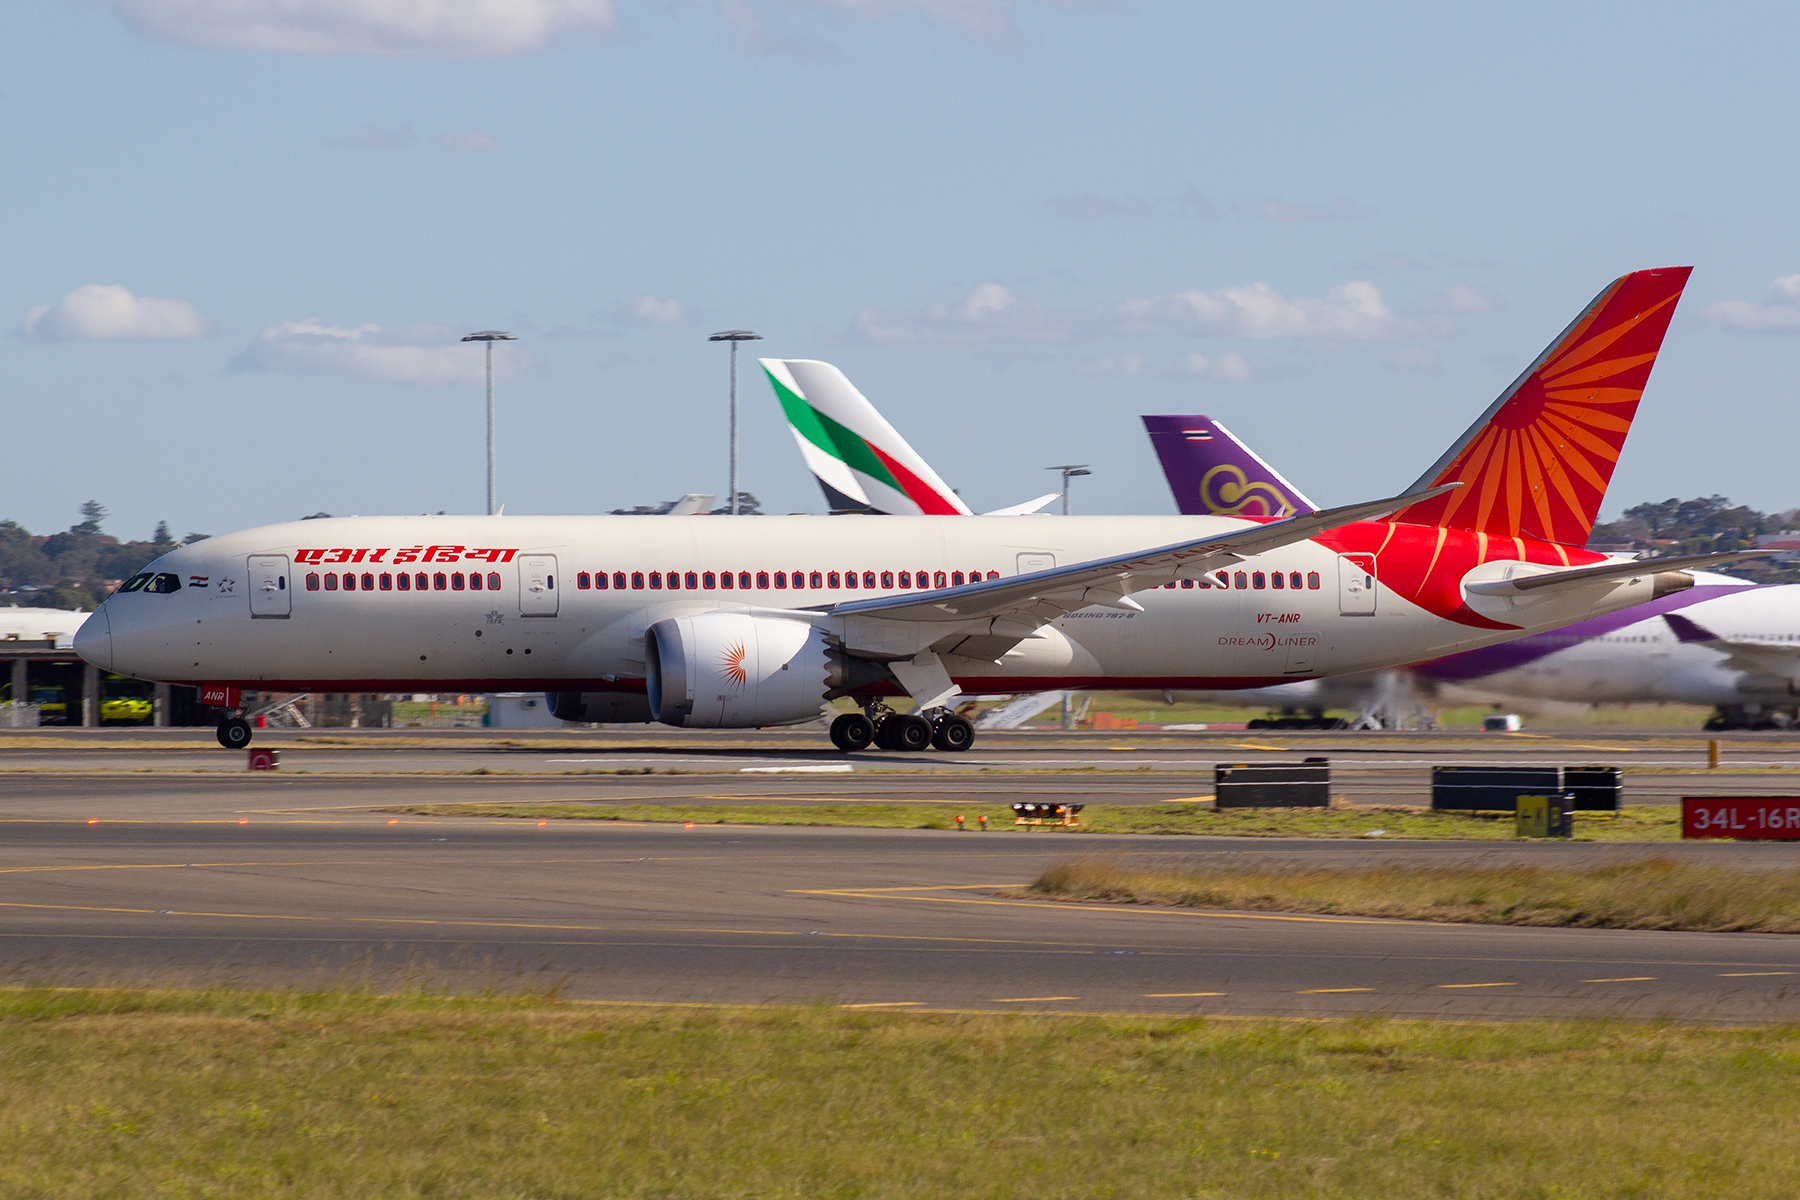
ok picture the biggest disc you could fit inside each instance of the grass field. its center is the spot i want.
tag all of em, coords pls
(1643, 823)
(131, 1094)
(1656, 894)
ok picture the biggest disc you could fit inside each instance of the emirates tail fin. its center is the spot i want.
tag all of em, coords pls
(861, 462)
(1538, 461)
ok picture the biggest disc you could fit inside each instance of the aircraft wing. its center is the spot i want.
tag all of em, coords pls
(1526, 584)
(1045, 595)
(1755, 655)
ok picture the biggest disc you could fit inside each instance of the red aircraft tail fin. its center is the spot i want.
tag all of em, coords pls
(1538, 460)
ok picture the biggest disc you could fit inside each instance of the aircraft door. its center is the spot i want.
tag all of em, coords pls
(1356, 585)
(1035, 562)
(271, 592)
(537, 585)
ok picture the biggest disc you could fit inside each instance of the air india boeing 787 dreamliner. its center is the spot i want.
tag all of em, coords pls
(751, 621)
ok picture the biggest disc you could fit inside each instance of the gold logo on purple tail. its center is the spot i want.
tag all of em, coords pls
(1226, 491)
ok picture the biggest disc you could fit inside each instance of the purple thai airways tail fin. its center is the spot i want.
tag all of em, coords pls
(1214, 474)
(1688, 630)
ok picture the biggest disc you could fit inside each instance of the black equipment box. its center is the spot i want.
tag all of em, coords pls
(1273, 785)
(1497, 789)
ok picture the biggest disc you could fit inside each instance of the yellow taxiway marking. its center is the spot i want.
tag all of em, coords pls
(1028, 999)
(1750, 974)
(1178, 995)
(1258, 746)
(1329, 991)
(1190, 799)
(1623, 979)
(885, 1004)
(1512, 983)
(1062, 906)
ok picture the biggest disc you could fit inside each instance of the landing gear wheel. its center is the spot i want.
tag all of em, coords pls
(234, 734)
(884, 733)
(954, 734)
(852, 731)
(911, 732)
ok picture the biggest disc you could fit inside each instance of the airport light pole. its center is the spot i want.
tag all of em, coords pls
(490, 336)
(734, 336)
(1069, 471)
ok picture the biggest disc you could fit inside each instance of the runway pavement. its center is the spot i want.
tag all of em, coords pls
(290, 881)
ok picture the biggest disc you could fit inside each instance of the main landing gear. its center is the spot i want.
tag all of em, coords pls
(234, 733)
(885, 729)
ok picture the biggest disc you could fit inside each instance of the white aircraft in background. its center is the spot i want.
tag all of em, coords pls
(1724, 642)
(54, 625)
(757, 621)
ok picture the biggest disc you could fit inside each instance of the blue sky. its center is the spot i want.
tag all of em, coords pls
(242, 236)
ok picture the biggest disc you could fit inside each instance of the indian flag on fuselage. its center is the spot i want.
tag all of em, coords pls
(862, 463)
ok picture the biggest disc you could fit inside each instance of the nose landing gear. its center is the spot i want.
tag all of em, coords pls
(234, 733)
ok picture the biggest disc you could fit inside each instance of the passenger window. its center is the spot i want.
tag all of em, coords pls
(906, 579)
(831, 579)
(922, 579)
(368, 582)
(656, 580)
(619, 581)
(956, 579)
(799, 579)
(1224, 579)
(993, 574)
(387, 583)
(439, 582)
(1277, 579)
(849, 579)
(1256, 580)
(405, 582)
(818, 580)
(743, 580)
(674, 581)
(312, 582)
(940, 580)
(1294, 580)
(709, 580)
(693, 581)
(456, 581)
(781, 579)
(1243, 580)
(762, 580)
(331, 582)
(1312, 580)
(1187, 583)
(583, 580)
(868, 579)
(600, 581)
(726, 578)
(493, 581)
(887, 579)
(421, 582)
(349, 582)
(475, 581)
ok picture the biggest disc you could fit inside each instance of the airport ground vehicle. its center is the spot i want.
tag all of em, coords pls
(743, 622)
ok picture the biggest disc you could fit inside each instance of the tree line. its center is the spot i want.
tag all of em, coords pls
(77, 568)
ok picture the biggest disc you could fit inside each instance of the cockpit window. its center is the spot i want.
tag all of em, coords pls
(164, 583)
(135, 582)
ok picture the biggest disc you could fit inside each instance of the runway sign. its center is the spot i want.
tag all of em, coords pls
(1742, 817)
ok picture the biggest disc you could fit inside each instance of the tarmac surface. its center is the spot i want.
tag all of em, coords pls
(112, 873)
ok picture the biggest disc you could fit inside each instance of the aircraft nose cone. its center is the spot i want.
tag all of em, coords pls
(93, 641)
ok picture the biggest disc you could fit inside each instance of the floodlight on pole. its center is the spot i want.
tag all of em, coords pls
(490, 336)
(734, 336)
(1069, 471)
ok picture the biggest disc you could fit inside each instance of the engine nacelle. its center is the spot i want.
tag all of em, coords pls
(603, 707)
(725, 670)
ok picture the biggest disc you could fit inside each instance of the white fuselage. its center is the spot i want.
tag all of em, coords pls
(39, 625)
(229, 622)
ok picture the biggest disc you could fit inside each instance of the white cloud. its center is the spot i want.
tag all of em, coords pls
(990, 313)
(1459, 298)
(1229, 367)
(1414, 358)
(1777, 312)
(99, 312)
(474, 141)
(427, 355)
(654, 312)
(1341, 209)
(989, 18)
(388, 28)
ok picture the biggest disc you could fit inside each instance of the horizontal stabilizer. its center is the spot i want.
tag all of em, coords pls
(1615, 570)
(1025, 509)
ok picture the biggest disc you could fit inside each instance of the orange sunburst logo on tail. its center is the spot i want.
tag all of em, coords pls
(733, 666)
(1539, 462)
